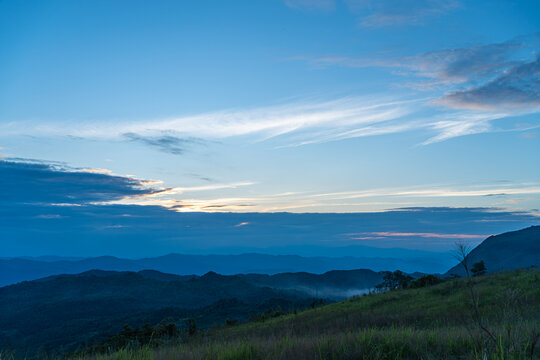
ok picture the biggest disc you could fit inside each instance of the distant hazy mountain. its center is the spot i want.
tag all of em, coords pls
(508, 251)
(78, 308)
(24, 269)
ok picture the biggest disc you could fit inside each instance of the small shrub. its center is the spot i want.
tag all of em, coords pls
(192, 326)
(426, 280)
(479, 268)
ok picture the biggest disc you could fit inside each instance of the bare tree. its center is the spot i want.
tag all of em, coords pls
(461, 253)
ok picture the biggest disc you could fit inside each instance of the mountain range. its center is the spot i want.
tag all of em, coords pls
(82, 308)
(13, 270)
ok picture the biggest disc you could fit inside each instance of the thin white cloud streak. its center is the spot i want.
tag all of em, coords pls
(166, 197)
(367, 200)
(296, 124)
(310, 119)
(435, 192)
(461, 124)
(96, 171)
(363, 131)
(181, 190)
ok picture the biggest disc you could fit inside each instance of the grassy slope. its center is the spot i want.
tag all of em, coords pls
(429, 323)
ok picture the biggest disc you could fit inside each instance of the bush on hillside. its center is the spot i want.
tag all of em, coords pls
(479, 268)
(394, 281)
(426, 280)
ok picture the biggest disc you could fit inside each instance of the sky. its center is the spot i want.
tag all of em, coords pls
(375, 108)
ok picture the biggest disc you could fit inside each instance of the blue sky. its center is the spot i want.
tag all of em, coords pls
(301, 106)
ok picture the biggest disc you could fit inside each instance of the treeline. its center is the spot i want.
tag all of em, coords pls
(399, 280)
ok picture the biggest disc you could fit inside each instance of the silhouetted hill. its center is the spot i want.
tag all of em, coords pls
(77, 308)
(508, 251)
(24, 269)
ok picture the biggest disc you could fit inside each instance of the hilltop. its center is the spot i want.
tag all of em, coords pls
(508, 251)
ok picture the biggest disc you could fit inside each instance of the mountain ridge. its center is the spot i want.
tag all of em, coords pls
(15, 270)
(80, 308)
(507, 251)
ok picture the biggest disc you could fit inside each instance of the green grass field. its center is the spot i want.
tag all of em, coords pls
(437, 322)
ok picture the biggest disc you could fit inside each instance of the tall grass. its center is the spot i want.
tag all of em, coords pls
(428, 323)
(388, 343)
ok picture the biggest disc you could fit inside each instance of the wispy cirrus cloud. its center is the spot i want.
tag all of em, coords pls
(508, 87)
(469, 89)
(311, 5)
(383, 13)
(473, 86)
(291, 124)
(311, 118)
(452, 125)
(296, 123)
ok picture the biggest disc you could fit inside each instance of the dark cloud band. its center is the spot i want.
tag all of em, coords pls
(51, 183)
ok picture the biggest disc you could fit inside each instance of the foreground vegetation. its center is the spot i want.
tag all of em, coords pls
(433, 322)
